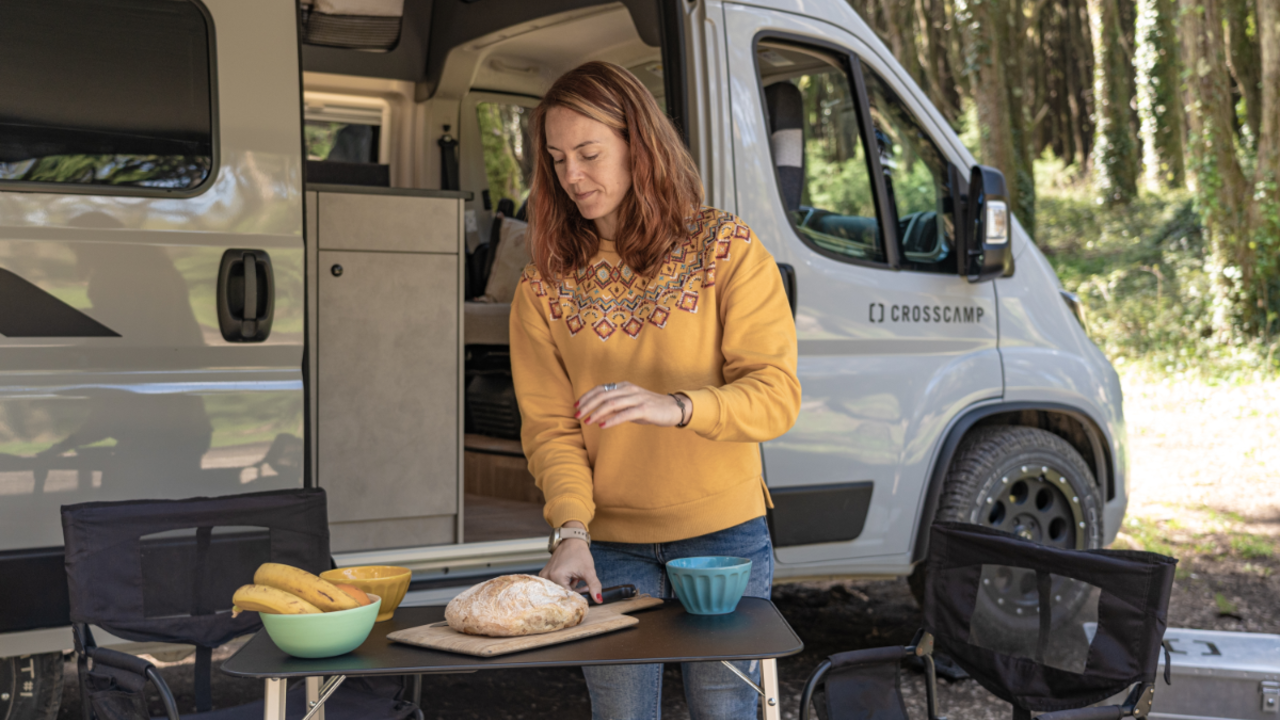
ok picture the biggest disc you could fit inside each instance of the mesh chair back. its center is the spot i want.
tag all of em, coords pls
(165, 570)
(1045, 628)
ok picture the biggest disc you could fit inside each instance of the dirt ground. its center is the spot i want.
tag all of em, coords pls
(1203, 464)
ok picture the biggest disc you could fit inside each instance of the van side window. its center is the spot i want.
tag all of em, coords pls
(823, 173)
(106, 93)
(508, 150)
(915, 177)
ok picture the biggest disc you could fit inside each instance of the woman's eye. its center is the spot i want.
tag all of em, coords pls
(592, 157)
(557, 162)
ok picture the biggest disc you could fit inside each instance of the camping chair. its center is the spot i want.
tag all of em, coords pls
(1042, 628)
(165, 571)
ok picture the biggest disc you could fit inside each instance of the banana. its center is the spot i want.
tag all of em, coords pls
(315, 590)
(260, 598)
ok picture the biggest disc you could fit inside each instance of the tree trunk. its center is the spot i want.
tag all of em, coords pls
(1019, 102)
(1160, 101)
(1264, 220)
(1118, 151)
(985, 27)
(1245, 61)
(1222, 192)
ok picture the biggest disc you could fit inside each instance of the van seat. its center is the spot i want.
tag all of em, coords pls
(786, 139)
(486, 323)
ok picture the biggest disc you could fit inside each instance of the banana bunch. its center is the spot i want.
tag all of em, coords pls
(287, 590)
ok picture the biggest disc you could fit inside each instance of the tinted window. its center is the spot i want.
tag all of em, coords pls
(915, 176)
(105, 92)
(823, 172)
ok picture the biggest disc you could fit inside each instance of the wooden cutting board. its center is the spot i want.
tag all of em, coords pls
(600, 619)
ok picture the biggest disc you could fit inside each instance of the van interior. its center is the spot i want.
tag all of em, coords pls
(446, 105)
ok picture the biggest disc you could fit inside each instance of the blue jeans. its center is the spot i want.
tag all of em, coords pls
(634, 692)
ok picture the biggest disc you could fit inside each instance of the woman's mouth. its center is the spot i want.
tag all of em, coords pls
(583, 196)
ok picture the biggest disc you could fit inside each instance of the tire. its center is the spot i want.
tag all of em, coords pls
(40, 699)
(1026, 481)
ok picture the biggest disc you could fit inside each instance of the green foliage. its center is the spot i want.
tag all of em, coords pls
(157, 171)
(508, 161)
(319, 138)
(1252, 547)
(1140, 271)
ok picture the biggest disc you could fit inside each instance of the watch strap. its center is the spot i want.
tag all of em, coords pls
(561, 534)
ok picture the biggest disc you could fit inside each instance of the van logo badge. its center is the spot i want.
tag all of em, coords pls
(877, 313)
(28, 311)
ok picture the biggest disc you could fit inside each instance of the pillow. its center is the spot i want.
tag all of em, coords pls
(513, 255)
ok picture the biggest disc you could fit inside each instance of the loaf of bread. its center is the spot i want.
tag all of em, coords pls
(514, 605)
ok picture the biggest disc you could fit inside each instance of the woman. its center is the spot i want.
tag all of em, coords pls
(653, 350)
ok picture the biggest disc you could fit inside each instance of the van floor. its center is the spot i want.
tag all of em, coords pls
(488, 519)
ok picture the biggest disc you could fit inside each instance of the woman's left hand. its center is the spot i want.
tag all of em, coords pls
(631, 403)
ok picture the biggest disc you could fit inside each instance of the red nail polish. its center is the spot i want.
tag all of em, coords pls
(601, 423)
(587, 419)
(599, 598)
(575, 403)
(578, 414)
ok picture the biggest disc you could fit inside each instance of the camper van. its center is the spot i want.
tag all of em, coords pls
(251, 245)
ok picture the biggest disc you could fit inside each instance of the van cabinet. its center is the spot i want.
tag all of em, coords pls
(385, 268)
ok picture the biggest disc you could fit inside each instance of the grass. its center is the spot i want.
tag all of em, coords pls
(1202, 533)
(1140, 272)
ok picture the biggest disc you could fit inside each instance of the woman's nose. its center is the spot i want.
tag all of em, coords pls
(573, 171)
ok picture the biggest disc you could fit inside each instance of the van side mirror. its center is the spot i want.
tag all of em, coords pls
(983, 234)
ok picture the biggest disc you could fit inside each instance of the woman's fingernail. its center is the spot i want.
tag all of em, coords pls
(601, 423)
(599, 598)
(578, 414)
(575, 403)
(587, 419)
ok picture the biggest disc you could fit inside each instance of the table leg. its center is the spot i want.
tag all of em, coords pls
(274, 699)
(313, 695)
(770, 708)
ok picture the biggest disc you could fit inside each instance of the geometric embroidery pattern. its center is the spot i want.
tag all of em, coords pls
(611, 299)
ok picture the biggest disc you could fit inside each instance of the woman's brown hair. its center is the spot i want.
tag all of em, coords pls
(665, 188)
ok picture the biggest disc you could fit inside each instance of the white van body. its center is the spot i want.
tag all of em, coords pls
(361, 384)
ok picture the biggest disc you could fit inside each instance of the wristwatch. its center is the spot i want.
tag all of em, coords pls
(561, 534)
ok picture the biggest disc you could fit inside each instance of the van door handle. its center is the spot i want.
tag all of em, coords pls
(246, 295)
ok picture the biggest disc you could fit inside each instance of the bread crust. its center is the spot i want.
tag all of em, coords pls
(515, 605)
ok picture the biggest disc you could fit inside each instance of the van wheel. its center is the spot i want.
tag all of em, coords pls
(1024, 481)
(31, 687)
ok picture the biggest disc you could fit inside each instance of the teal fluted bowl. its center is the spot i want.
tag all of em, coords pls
(322, 635)
(709, 585)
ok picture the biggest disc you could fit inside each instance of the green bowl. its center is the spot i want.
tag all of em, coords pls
(322, 635)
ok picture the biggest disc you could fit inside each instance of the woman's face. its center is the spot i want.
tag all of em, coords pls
(593, 164)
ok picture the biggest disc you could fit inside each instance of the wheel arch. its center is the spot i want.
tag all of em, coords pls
(1072, 424)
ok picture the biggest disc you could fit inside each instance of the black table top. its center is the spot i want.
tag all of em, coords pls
(665, 634)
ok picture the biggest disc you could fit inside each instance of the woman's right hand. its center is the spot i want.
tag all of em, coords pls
(570, 564)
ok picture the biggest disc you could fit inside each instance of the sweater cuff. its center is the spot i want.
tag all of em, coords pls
(565, 509)
(706, 412)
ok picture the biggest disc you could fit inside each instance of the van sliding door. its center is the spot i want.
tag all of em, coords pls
(151, 298)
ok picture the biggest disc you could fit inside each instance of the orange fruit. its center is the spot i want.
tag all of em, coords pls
(356, 593)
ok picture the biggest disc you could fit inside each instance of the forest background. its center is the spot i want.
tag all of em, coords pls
(1141, 142)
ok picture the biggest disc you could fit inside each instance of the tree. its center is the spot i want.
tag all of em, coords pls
(1118, 151)
(1159, 64)
(993, 31)
(1241, 213)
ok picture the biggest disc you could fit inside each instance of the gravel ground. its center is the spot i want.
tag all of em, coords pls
(1202, 462)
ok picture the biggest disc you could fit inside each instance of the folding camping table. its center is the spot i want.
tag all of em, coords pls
(755, 631)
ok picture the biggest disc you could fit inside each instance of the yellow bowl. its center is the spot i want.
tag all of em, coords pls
(386, 581)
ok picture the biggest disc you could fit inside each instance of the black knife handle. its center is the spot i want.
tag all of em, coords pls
(611, 594)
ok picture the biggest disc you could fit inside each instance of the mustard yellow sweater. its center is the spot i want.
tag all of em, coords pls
(714, 325)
